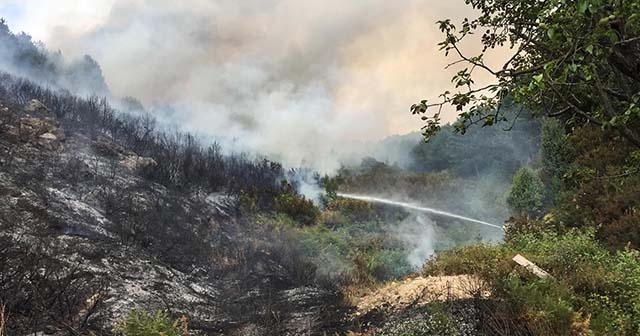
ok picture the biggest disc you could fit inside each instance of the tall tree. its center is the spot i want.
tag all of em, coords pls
(527, 193)
(577, 60)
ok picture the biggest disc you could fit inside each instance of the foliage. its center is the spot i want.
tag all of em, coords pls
(486, 151)
(575, 60)
(354, 210)
(330, 184)
(141, 323)
(527, 192)
(593, 289)
(297, 207)
(555, 148)
(482, 198)
(602, 187)
(358, 253)
(555, 153)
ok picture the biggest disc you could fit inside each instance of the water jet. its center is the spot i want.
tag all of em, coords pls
(371, 199)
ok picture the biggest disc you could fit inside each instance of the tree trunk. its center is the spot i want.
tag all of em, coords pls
(626, 56)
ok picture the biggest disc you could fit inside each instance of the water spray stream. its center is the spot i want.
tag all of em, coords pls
(414, 207)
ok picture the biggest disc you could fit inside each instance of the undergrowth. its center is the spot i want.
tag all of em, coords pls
(592, 290)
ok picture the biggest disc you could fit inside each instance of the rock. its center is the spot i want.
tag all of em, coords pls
(35, 130)
(37, 125)
(35, 105)
(49, 136)
(51, 140)
(134, 162)
(107, 148)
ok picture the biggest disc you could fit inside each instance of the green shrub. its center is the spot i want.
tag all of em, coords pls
(601, 188)
(527, 192)
(354, 210)
(332, 219)
(297, 207)
(360, 253)
(592, 290)
(141, 323)
(490, 262)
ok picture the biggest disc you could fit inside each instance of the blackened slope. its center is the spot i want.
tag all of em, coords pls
(89, 232)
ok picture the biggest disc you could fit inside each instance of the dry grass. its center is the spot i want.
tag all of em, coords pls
(420, 291)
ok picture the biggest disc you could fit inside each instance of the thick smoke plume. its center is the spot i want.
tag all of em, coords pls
(311, 84)
(301, 81)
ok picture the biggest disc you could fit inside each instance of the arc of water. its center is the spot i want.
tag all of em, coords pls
(415, 207)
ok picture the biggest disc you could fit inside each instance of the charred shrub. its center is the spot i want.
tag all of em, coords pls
(41, 293)
(182, 162)
(164, 224)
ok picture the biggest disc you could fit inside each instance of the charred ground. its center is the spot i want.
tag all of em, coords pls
(102, 213)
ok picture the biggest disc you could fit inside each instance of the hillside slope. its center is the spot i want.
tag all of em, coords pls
(85, 239)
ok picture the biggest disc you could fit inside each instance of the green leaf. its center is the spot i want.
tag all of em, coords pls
(538, 78)
(583, 6)
(551, 32)
(589, 49)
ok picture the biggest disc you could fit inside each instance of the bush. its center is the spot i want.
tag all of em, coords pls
(601, 188)
(527, 192)
(359, 254)
(38, 291)
(297, 207)
(354, 210)
(593, 290)
(141, 323)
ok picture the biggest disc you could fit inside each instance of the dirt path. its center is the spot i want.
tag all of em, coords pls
(418, 291)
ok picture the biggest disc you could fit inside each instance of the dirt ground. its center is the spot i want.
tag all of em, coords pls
(418, 291)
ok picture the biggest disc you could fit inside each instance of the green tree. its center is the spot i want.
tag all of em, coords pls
(575, 60)
(554, 148)
(527, 192)
(555, 153)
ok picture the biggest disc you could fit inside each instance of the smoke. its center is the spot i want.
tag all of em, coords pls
(300, 81)
(306, 183)
(23, 57)
(418, 235)
(418, 232)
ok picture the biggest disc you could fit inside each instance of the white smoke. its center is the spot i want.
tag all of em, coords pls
(418, 234)
(299, 81)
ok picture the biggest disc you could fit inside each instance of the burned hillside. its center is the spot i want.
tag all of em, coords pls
(102, 213)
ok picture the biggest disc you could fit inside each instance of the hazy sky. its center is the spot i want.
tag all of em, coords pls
(319, 71)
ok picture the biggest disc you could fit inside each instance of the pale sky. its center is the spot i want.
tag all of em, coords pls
(317, 69)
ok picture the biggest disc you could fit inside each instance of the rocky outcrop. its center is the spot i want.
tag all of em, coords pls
(37, 128)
